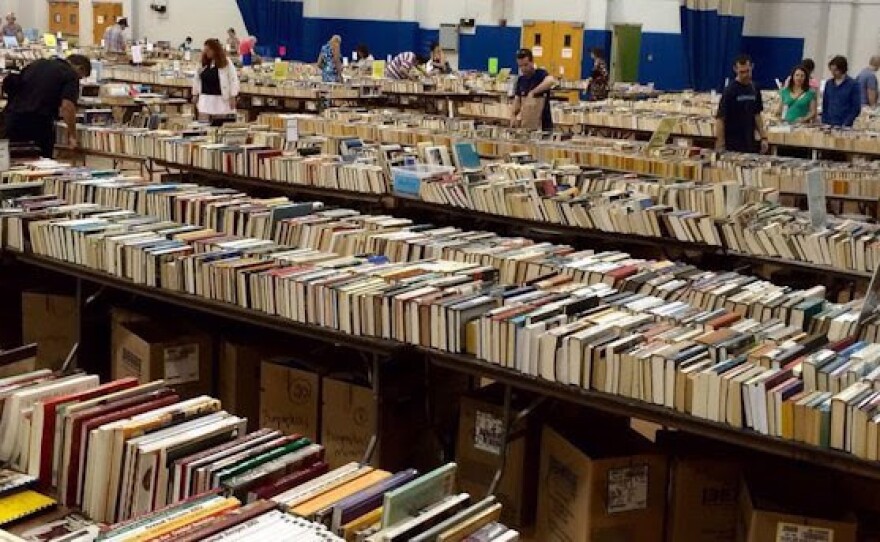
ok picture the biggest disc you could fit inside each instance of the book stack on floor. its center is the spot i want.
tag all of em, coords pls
(161, 467)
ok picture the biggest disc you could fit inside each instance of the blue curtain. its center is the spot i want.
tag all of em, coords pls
(712, 33)
(275, 23)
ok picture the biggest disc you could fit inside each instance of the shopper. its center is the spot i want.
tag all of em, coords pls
(187, 44)
(533, 82)
(45, 89)
(842, 100)
(364, 58)
(867, 80)
(406, 65)
(246, 50)
(438, 62)
(810, 67)
(232, 41)
(798, 102)
(330, 61)
(599, 83)
(12, 29)
(215, 85)
(114, 37)
(739, 112)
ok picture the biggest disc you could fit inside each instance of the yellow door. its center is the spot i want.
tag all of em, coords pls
(568, 50)
(538, 36)
(71, 20)
(57, 16)
(104, 14)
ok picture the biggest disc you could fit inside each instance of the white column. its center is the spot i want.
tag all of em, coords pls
(85, 23)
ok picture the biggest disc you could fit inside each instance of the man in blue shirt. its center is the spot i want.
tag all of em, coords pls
(867, 80)
(842, 101)
(532, 83)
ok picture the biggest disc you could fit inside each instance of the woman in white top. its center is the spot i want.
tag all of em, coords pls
(215, 86)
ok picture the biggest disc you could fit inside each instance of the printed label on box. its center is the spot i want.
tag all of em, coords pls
(627, 489)
(488, 433)
(182, 364)
(790, 532)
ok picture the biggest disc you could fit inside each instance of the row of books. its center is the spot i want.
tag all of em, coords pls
(158, 466)
(287, 223)
(784, 174)
(547, 326)
(448, 306)
(752, 224)
(268, 157)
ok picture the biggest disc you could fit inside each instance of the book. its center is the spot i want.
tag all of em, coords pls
(22, 504)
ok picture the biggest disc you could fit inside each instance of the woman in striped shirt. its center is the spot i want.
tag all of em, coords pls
(403, 65)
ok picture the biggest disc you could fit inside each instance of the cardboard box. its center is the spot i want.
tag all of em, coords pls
(148, 351)
(703, 504)
(478, 454)
(348, 421)
(288, 398)
(238, 376)
(600, 487)
(791, 509)
(51, 321)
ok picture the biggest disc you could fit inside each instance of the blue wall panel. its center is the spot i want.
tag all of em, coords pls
(774, 57)
(382, 37)
(662, 56)
(662, 61)
(489, 41)
(592, 39)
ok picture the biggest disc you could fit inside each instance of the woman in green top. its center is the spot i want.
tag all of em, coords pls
(798, 101)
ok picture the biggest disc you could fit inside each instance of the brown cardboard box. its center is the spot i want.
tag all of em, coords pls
(790, 509)
(49, 320)
(288, 398)
(609, 486)
(703, 504)
(149, 351)
(478, 454)
(118, 318)
(347, 422)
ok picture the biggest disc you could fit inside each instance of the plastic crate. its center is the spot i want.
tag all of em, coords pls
(407, 180)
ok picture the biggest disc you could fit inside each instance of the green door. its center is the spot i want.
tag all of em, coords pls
(626, 49)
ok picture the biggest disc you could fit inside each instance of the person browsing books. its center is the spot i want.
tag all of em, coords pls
(232, 41)
(842, 100)
(739, 112)
(215, 85)
(867, 80)
(45, 89)
(406, 65)
(798, 102)
(114, 37)
(330, 61)
(533, 82)
(810, 66)
(364, 58)
(438, 62)
(599, 84)
(12, 29)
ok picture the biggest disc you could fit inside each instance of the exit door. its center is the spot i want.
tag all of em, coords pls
(558, 47)
(104, 14)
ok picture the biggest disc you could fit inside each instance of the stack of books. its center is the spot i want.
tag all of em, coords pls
(153, 465)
